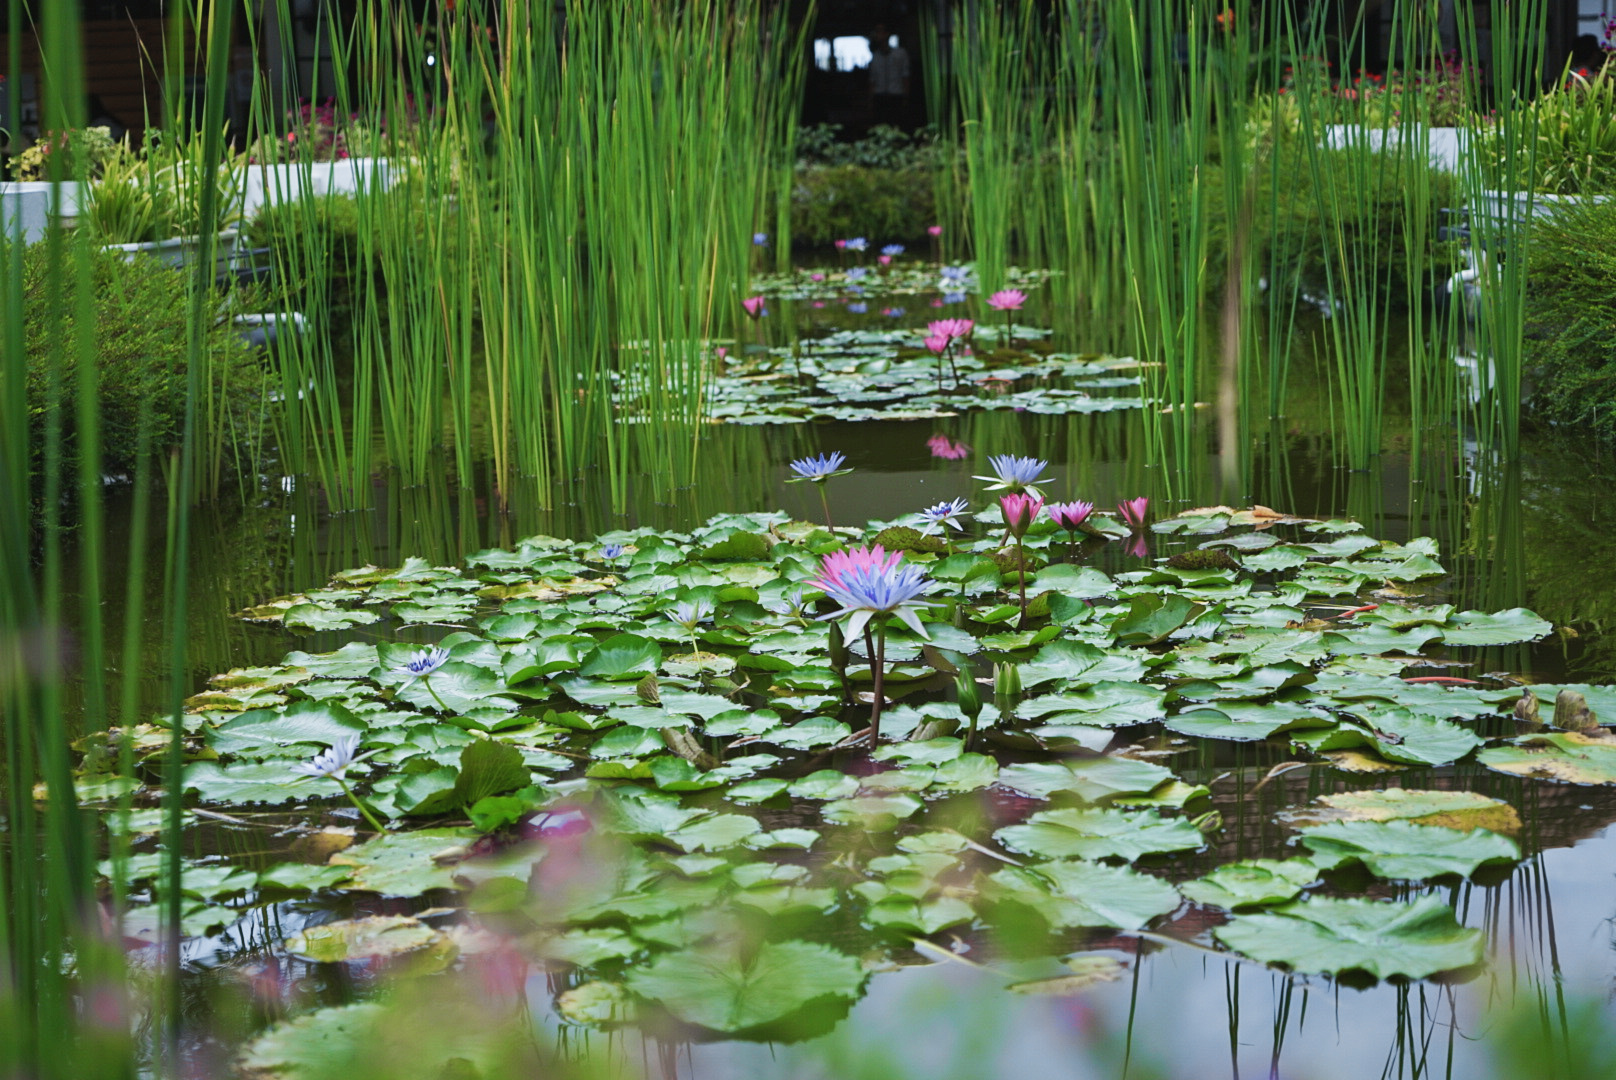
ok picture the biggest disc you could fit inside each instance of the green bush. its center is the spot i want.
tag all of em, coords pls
(829, 202)
(140, 310)
(1292, 225)
(1571, 316)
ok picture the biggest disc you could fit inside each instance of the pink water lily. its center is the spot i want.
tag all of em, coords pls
(941, 446)
(1070, 516)
(937, 344)
(884, 260)
(816, 277)
(951, 328)
(1007, 300)
(934, 230)
(754, 306)
(1135, 512)
(841, 245)
(1020, 511)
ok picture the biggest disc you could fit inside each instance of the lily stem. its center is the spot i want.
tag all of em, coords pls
(427, 681)
(348, 791)
(878, 669)
(824, 500)
(1021, 577)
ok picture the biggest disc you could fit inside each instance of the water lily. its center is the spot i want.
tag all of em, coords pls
(332, 764)
(944, 513)
(857, 243)
(754, 306)
(1016, 474)
(1008, 301)
(893, 312)
(857, 273)
(816, 470)
(1135, 512)
(884, 260)
(951, 328)
(841, 245)
(819, 468)
(955, 273)
(611, 552)
(816, 277)
(937, 343)
(934, 230)
(942, 446)
(858, 308)
(691, 613)
(424, 663)
(868, 582)
(953, 298)
(760, 239)
(1020, 511)
(892, 249)
(1070, 515)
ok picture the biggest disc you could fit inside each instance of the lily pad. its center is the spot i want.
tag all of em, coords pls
(1564, 756)
(1383, 939)
(1075, 894)
(1100, 834)
(1401, 850)
(1252, 883)
(1449, 809)
(732, 991)
(376, 937)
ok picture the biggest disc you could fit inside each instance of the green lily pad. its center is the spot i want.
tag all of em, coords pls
(1076, 894)
(1563, 756)
(376, 937)
(1093, 780)
(622, 656)
(1100, 834)
(1450, 809)
(1252, 883)
(1401, 850)
(1413, 940)
(404, 864)
(252, 782)
(731, 991)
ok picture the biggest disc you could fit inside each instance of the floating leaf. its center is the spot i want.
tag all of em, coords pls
(1252, 882)
(1567, 757)
(1088, 971)
(1092, 780)
(404, 864)
(1383, 939)
(1449, 809)
(376, 937)
(622, 656)
(1075, 894)
(1099, 834)
(1401, 850)
(723, 990)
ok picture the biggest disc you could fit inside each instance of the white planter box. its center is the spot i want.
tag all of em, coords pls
(1444, 147)
(27, 207)
(271, 185)
(1507, 206)
(180, 250)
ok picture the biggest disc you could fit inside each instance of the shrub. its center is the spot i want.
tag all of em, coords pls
(832, 201)
(1573, 129)
(140, 310)
(1571, 316)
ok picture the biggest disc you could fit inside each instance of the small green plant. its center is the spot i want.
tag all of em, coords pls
(156, 193)
(139, 340)
(1571, 317)
(1572, 133)
(86, 152)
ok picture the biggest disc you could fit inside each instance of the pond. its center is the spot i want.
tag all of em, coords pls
(1308, 688)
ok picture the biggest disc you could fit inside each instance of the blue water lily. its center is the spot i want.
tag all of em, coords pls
(944, 513)
(1012, 473)
(819, 468)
